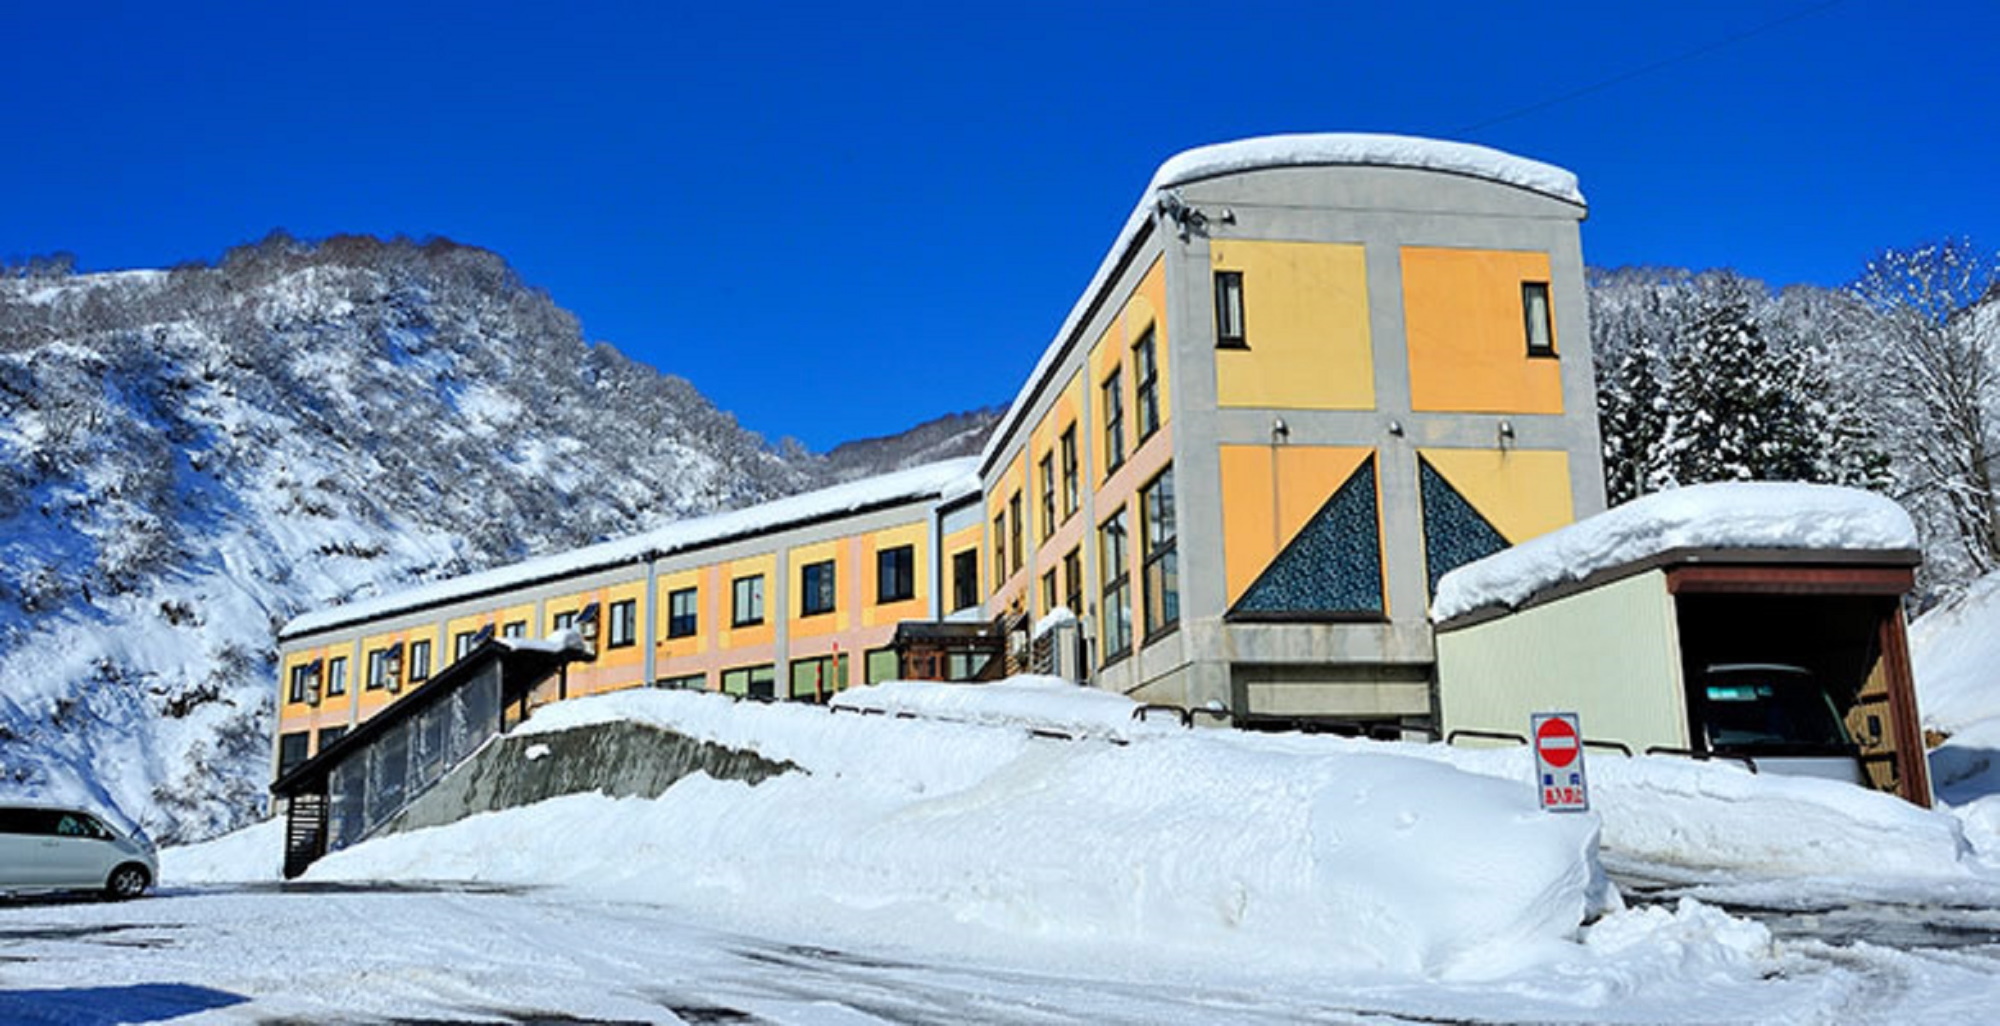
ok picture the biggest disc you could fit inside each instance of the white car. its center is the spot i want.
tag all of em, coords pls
(55, 848)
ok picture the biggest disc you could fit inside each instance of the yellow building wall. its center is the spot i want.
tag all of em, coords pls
(764, 634)
(705, 616)
(1268, 494)
(1005, 582)
(1523, 493)
(612, 668)
(917, 607)
(801, 625)
(1305, 320)
(973, 538)
(1467, 334)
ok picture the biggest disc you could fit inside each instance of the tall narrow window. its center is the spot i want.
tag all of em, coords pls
(816, 588)
(378, 669)
(1014, 528)
(420, 660)
(1073, 580)
(1535, 309)
(1114, 422)
(1162, 580)
(292, 749)
(305, 683)
(624, 631)
(999, 547)
(1147, 371)
(1229, 311)
(1071, 493)
(896, 574)
(964, 579)
(1049, 601)
(1115, 632)
(462, 643)
(1048, 476)
(747, 609)
(683, 620)
(336, 676)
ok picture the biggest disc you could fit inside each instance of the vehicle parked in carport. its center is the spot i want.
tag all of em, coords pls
(57, 848)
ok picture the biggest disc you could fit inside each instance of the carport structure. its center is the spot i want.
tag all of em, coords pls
(1780, 657)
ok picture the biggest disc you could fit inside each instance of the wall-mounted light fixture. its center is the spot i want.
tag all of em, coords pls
(1506, 433)
(1280, 431)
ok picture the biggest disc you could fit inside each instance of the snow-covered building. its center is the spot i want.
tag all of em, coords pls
(1760, 623)
(1311, 375)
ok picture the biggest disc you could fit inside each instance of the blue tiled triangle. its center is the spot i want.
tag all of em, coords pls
(1333, 565)
(1454, 532)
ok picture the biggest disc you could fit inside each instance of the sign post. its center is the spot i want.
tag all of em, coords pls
(1558, 745)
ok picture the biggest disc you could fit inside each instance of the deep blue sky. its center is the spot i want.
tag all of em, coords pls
(839, 222)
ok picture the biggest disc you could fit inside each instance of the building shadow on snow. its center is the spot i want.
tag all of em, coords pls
(110, 1006)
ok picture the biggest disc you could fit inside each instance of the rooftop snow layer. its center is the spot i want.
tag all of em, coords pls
(1298, 150)
(1740, 515)
(928, 481)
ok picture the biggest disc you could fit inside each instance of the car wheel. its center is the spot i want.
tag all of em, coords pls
(127, 881)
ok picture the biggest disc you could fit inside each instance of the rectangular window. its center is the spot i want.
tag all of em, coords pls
(964, 579)
(751, 681)
(336, 676)
(562, 622)
(305, 683)
(1148, 374)
(624, 632)
(816, 589)
(1535, 310)
(1161, 580)
(1114, 422)
(818, 679)
(1014, 527)
(292, 750)
(1115, 632)
(689, 682)
(896, 574)
(1048, 473)
(1049, 601)
(378, 669)
(1229, 311)
(516, 629)
(1071, 493)
(463, 644)
(420, 660)
(328, 736)
(1073, 580)
(683, 621)
(999, 547)
(747, 609)
(881, 664)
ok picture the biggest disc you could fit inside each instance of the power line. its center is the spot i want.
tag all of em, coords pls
(1650, 68)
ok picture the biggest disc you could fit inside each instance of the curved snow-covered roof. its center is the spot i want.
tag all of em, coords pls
(925, 482)
(1325, 149)
(1736, 515)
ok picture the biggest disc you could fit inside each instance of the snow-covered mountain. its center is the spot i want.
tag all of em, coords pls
(189, 458)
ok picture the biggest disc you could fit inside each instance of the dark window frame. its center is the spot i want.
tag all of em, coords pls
(1015, 535)
(964, 579)
(336, 676)
(623, 631)
(1073, 579)
(1112, 393)
(1146, 371)
(1231, 328)
(1158, 538)
(377, 678)
(1072, 490)
(420, 660)
(462, 644)
(737, 602)
(999, 547)
(1114, 551)
(302, 687)
(1546, 348)
(818, 598)
(684, 624)
(1049, 596)
(1047, 466)
(514, 629)
(895, 574)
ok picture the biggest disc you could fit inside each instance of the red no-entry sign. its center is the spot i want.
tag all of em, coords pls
(1558, 745)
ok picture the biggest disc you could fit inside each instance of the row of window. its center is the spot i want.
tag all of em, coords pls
(1230, 333)
(895, 581)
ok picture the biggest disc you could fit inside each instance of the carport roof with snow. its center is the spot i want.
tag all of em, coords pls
(1763, 523)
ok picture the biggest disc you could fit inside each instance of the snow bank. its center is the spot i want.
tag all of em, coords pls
(1029, 702)
(1752, 515)
(1719, 816)
(928, 481)
(1182, 846)
(252, 854)
(1955, 656)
